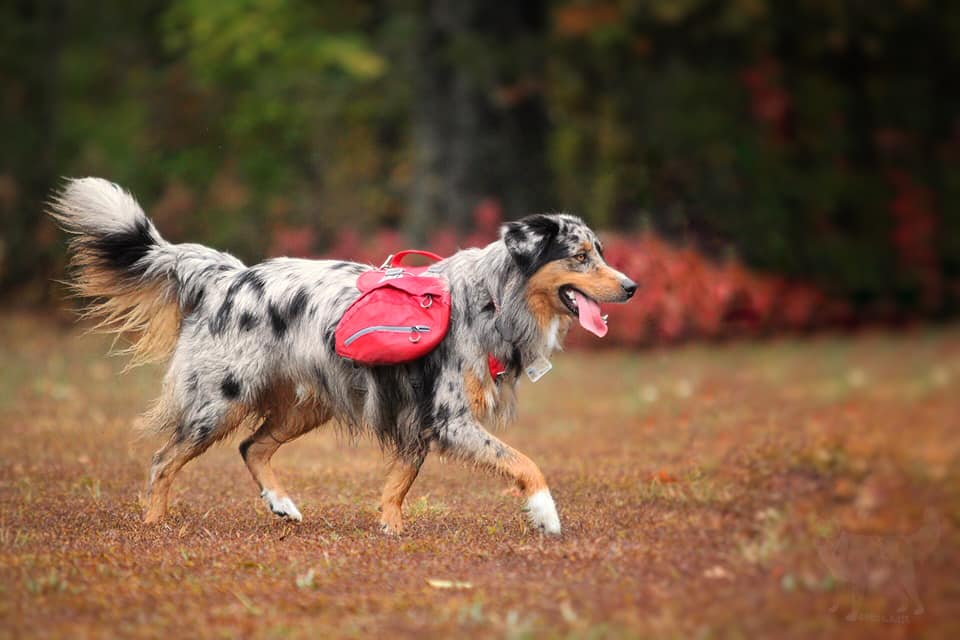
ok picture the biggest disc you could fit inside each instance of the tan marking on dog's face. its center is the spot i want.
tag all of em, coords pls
(599, 281)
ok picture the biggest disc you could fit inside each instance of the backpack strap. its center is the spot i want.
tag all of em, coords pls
(394, 259)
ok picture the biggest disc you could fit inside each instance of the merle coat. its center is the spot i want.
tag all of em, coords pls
(255, 345)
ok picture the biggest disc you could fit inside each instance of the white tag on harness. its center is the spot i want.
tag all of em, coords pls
(538, 368)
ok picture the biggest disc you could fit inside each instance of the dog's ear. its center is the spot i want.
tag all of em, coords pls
(529, 240)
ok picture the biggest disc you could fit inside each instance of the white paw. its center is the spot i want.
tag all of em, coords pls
(283, 507)
(542, 512)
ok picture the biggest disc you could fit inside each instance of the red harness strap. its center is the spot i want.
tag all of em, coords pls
(496, 367)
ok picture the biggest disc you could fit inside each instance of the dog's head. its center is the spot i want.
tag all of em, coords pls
(567, 276)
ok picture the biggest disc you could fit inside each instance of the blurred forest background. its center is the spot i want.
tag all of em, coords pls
(757, 166)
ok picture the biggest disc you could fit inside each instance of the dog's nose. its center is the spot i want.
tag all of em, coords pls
(629, 286)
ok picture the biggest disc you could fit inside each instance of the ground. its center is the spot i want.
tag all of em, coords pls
(693, 485)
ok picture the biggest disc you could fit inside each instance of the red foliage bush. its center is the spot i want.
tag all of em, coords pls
(914, 233)
(682, 294)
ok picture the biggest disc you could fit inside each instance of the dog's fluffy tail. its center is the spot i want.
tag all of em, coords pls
(139, 284)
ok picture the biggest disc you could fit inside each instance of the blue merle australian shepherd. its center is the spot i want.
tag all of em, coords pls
(255, 345)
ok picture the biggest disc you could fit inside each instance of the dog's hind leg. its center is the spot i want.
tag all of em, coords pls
(167, 461)
(191, 433)
(469, 441)
(277, 429)
(403, 472)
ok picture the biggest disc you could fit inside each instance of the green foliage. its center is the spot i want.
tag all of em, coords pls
(816, 139)
(283, 81)
(281, 72)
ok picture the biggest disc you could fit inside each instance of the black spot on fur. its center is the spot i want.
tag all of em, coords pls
(280, 320)
(230, 387)
(124, 250)
(197, 430)
(203, 429)
(349, 267)
(244, 446)
(252, 279)
(192, 382)
(193, 300)
(219, 323)
(277, 321)
(298, 304)
(514, 363)
(247, 321)
(450, 387)
(543, 224)
(442, 416)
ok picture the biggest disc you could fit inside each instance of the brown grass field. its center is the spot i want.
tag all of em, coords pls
(692, 484)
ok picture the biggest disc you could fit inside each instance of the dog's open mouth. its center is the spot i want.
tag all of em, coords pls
(585, 308)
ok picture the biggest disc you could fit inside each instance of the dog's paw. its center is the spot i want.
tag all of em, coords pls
(391, 521)
(282, 507)
(542, 513)
(388, 529)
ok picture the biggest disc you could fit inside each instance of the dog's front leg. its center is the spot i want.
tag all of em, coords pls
(468, 440)
(402, 474)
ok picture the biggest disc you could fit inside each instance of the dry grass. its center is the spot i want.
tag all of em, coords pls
(691, 484)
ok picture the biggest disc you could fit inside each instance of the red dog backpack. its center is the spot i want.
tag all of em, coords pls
(402, 313)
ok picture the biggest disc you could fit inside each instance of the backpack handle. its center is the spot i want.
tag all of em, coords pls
(394, 259)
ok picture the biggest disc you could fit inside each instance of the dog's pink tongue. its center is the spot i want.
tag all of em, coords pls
(590, 318)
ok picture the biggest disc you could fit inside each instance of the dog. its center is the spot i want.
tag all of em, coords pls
(255, 345)
(880, 563)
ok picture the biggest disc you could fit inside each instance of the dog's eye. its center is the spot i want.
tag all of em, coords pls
(580, 257)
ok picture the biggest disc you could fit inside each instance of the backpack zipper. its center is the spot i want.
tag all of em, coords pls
(418, 328)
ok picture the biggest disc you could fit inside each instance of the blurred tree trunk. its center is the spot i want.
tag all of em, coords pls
(479, 121)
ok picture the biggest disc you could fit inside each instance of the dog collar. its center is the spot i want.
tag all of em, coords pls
(497, 368)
